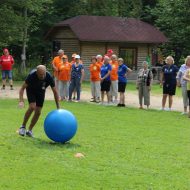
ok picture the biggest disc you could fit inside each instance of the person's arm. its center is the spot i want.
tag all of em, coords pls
(82, 75)
(106, 75)
(185, 77)
(178, 78)
(128, 71)
(56, 97)
(21, 93)
(151, 79)
(12, 60)
(161, 78)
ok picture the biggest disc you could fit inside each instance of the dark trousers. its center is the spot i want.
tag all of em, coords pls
(75, 84)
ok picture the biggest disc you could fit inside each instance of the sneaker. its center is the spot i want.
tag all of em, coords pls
(184, 113)
(115, 101)
(29, 134)
(3, 88)
(11, 88)
(22, 131)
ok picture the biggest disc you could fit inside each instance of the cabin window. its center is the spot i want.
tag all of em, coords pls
(130, 57)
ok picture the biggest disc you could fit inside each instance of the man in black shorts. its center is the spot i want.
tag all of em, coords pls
(35, 84)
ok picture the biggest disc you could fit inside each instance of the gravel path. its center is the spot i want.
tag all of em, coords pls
(131, 98)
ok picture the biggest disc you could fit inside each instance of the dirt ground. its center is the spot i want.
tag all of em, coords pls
(131, 98)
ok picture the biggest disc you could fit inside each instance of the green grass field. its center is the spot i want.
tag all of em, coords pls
(124, 148)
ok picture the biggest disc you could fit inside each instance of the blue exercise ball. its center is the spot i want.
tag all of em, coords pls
(60, 125)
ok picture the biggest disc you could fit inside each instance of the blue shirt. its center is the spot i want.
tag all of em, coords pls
(105, 68)
(170, 72)
(122, 70)
(76, 71)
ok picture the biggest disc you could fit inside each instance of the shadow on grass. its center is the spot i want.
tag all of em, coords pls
(45, 144)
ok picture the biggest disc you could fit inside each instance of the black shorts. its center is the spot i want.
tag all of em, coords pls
(37, 98)
(188, 94)
(169, 89)
(121, 86)
(105, 86)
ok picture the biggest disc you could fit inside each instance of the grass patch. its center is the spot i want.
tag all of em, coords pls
(124, 148)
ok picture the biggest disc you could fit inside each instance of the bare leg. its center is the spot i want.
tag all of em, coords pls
(170, 101)
(108, 97)
(164, 98)
(122, 98)
(10, 82)
(102, 96)
(4, 81)
(185, 109)
(35, 117)
(28, 113)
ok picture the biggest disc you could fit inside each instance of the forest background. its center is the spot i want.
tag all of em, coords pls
(24, 23)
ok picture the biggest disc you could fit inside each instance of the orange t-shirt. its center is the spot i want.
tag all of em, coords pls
(56, 61)
(114, 71)
(94, 72)
(64, 71)
(100, 63)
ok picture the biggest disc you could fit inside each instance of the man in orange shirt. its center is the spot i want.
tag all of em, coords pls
(114, 79)
(99, 60)
(64, 69)
(56, 61)
(95, 80)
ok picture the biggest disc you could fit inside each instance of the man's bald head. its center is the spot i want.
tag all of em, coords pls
(41, 71)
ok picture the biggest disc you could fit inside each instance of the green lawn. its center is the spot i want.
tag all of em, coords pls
(124, 148)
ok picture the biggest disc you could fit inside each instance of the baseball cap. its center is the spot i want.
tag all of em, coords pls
(110, 51)
(74, 54)
(77, 56)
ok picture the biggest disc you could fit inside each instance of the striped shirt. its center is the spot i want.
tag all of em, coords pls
(180, 75)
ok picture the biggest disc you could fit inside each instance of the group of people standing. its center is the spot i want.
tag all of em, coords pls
(68, 75)
(108, 77)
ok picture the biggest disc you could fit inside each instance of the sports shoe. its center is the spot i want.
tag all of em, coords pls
(184, 113)
(22, 131)
(3, 88)
(29, 134)
(11, 88)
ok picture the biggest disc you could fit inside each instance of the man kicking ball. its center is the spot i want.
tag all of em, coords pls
(35, 84)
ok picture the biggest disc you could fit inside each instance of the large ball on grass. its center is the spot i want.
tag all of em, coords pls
(60, 125)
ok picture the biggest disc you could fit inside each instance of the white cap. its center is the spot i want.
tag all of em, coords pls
(77, 56)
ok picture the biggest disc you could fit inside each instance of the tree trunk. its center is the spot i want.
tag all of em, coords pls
(23, 55)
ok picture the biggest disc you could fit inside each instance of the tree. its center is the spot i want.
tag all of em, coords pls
(172, 17)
